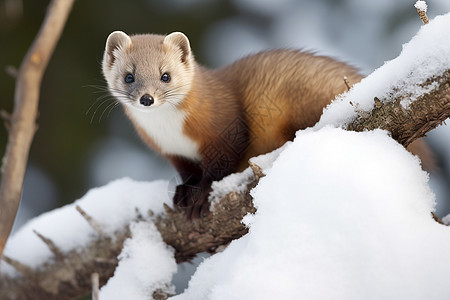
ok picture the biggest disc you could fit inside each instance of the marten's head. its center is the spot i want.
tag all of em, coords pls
(148, 71)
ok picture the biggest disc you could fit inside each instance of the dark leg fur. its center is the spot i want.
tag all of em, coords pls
(192, 194)
(219, 159)
(191, 175)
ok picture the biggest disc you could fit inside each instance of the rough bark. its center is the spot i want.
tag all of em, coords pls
(68, 277)
(207, 234)
(22, 124)
(407, 125)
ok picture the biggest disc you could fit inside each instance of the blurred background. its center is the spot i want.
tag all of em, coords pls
(83, 143)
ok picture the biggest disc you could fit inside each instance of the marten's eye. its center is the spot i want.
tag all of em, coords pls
(165, 77)
(129, 78)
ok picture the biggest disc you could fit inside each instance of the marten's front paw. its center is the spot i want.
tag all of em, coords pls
(193, 199)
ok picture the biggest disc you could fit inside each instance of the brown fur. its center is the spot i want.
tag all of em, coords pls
(275, 93)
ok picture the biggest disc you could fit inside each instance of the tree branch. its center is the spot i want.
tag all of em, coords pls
(68, 277)
(22, 125)
(207, 234)
(409, 124)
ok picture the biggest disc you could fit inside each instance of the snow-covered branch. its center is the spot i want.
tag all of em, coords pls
(408, 96)
(408, 124)
(68, 277)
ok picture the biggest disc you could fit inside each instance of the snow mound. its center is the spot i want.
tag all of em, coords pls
(146, 265)
(340, 215)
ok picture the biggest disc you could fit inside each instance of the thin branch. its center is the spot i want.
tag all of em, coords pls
(257, 170)
(55, 250)
(94, 224)
(422, 7)
(6, 117)
(347, 84)
(12, 71)
(23, 125)
(24, 269)
(95, 278)
(437, 219)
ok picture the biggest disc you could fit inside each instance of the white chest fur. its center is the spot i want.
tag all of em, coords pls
(165, 126)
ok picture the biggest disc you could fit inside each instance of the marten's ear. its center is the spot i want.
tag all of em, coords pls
(116, 41)
(181, 42)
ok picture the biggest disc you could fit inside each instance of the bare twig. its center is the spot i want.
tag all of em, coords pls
(55, 250)
(347, 84)
(23, 125)
(6, 117)
(257, 171)
(95, 278)
(422, 7)
(168, 209)
(437, 219)
(12, 71)
(24, 269)
(94, 224)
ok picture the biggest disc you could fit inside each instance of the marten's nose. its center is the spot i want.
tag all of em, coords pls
(146, 100)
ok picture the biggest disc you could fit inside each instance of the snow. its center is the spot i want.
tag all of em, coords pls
(446, 220)
(340, 215)
(425, 56)
(146, 265)
(113, 206)
(236, 182)
(265, 161)
(421, 5)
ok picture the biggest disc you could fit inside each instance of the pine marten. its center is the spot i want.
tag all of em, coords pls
(208, 123)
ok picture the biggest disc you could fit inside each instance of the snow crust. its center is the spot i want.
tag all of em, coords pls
(265, 161)
(146, 265)
(233, 182)
(340, 215)
(421, 5)
(113, 206)
(425, 56)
